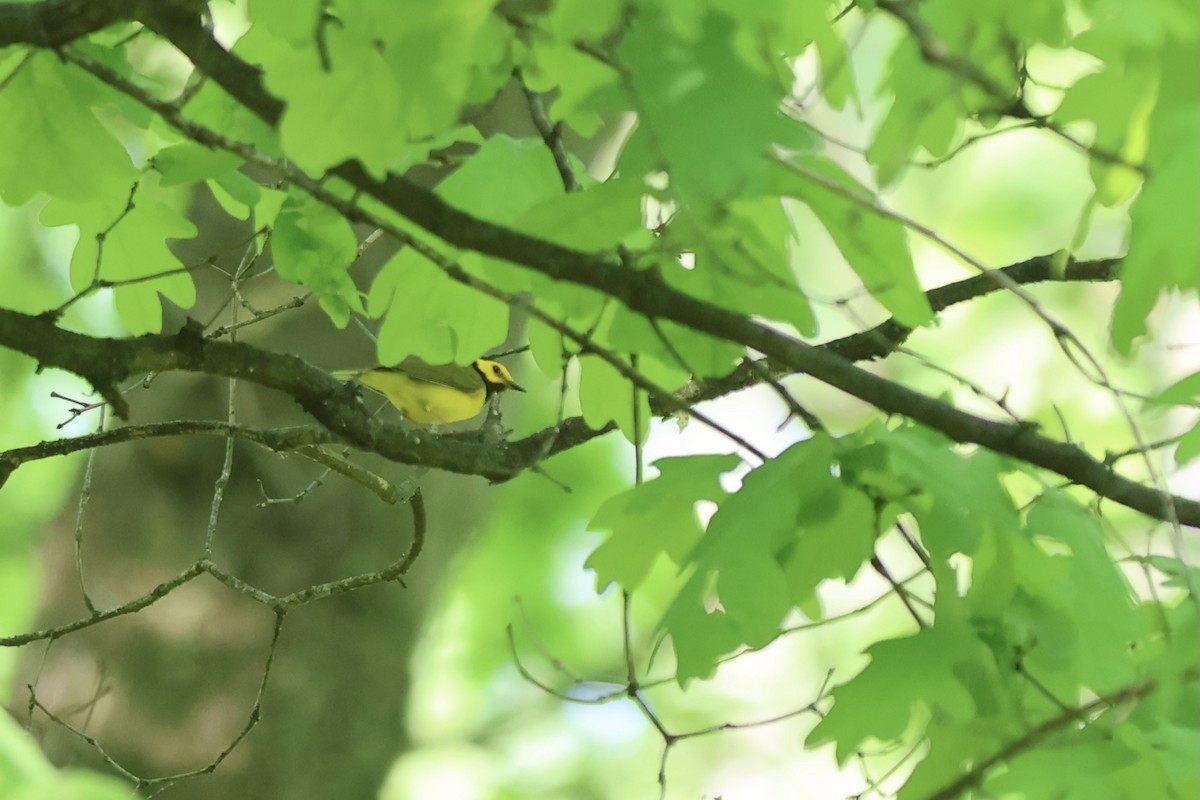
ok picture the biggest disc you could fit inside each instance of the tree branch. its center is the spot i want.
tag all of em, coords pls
(336, 406)
(53, 23)
(280, 604)
(1131, 693)
(332, 403)
(936, 52)
(883, 339)
(642, 291)
(276, 439)
(645, 292)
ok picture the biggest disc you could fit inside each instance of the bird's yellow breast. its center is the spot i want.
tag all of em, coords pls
(425, 403)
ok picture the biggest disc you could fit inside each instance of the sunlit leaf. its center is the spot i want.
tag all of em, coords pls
(658, 518)
(314, 245)
(875, 705)
(873, 244)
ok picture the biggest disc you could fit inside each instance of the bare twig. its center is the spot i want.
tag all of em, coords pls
(1034, 736)
(551, 133)
(85, 494)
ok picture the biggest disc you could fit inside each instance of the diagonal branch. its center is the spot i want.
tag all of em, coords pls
(642, 291)
(53, 23)
(336, 406)
(886, 337)
(1132, 693)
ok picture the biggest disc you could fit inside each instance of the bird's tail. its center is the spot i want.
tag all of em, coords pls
(347, 374)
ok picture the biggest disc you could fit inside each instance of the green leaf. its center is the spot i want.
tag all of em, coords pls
(314, 245)
(597, 218)
(505, 178)
(746, 262)
(1092, 592)
(606, 396)
(655, 519)
(581, 84)
(219, 111)
(831, 545)
(293, 20)
(59, 147)
(812, 20)
(444, 55)
(237, 194)
(963, 497)
(1189, 446)
(874, 704)
(20, 760)
(381, 85)
(1175, 748)
(85, 785)
(548, 348)
(350, 111)
(134, 249)
(789, 526)
(628, 332)
(572, 20)
(1089, 767)
(1185, 391)
(951, 748)
(920, 94)
(776, 518)
(1164, 248)
(574, 81)
(1163, 253)
(700, 97)
(756, 244)
(700, 633)
(188, 163)
(994, 574)
(873, 244)
(432, 316)
(704, 355)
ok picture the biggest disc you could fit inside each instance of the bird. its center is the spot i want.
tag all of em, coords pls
(435, 394)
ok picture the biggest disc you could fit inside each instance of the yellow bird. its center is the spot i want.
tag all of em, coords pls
(435, 394)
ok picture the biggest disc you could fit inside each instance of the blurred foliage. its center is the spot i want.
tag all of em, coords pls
(864, 604)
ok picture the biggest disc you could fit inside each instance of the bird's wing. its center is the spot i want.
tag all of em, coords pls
(463, 379)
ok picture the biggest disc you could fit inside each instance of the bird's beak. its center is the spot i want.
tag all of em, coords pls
(516, 386)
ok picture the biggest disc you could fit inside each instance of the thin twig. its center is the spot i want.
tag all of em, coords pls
(85, 494)
(972, 777)
(551, 133)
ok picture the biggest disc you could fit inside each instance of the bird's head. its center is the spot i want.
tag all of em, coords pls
(496, 376)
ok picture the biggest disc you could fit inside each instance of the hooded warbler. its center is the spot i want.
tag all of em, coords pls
(435, 394)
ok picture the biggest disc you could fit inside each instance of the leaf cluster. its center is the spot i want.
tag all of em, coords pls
(673, 267)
